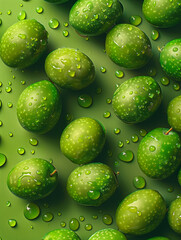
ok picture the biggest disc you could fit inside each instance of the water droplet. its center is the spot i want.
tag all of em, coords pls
(88, 227)
(23, 82)
(139, 182)
(119, 74)
(53, 23)
(85, 100)
(143, 132)
(65, 24)
(12, 223)
(32, 151)
(65, 33)
(10, 134)
(69, 117)
(95, 217)
(134, 138)
(71, 73)
(74, 224)
(63, 224)
(108, 101)
(2, 159)
(120, 144)
(47, 217)
(94, 194)
(106, 114)
(170, 189)
(117, 131)
(135, 20)
(82, 218)
(103, 69)
(127, 141)
(126, 156)
(1, 123)
(31, 211)
(21, 151)
(175, 49)
(176, 86)
(0, 21)
(165, 81)
(154, 35)
(0, 104)
(152, 72)
(22, 15)
(87, 172)
(9, 12)
(10, 105)
(98, 90)
(107, 219)
(33, 141)
(39, 10)
(8, 89)
(59, 214)
(8, 204)
(152, 148)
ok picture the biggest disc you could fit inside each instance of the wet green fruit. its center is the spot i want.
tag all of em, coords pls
(60, 234)
(93, 18)
(174, 113)
(162, 13)
(159, 153)
(92, 184)
(32, 179)
(136, 99)
(140, 212)
(39, 107)
(128, 46)
(108, 234)
(70, 68)
(23, 43)
(170, 59)
(159, 238)
(57, 1)
(82, 140)
(174, 214)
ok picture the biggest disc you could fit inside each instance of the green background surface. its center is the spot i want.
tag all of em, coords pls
(48, 147)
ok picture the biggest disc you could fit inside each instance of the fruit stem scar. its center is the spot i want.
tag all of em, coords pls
(168, 131)
(51, 174)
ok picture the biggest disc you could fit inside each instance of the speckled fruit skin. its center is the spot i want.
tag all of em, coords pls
(23, 43)
(174, 113)
(91, 184)
(140, 212)
(174, 213)
(60, 234)
(128, 46)
(136, 99)
(39, 107)
(63, 62)
(170, 59)
(82, 140)
(31, 179)
(57, 1)
(159, 238)
(159, 155)
(108, 234)
(162, 13)
(92, 18)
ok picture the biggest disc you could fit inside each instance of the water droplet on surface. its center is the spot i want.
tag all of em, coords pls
(53, 23)
(8, 204)
(95, 217)
(108, 100)
(39, 10)
(22, 15)
(10, 105)
(65, 33)
(71, 73)
(103, 69)
(152, 72)
(1, 123)
(175, 49)
(165, 81)
(170, 189)
(74, 224)
(8, 89)
(126, 156)
(3, 159)
(134, 138)
(176, 86)
(98, 90)
(154, 35)
(85, 100)
(152, 148)
(139, 182)
(94, 194)
(66, 24)
(82, 218)
(31, 211)
(106, 114)
(120, 144)
(12, 223)
(135, 20)
(0, 21)
(10, 134)
(107, 219)
(117, 131)
(119, 74)
(143, 132)
(33, 141)
(88, 227)
(9, 12)
(47, 217)
(21, 151)
(63, 224)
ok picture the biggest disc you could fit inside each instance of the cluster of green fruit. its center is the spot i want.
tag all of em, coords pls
(39, 108)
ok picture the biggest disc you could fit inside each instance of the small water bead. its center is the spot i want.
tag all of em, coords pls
(82, 218)
(175, 49)
(8, 89)
(69, 117)
(63, 224)
(66, 24)
(21, 151)
(119, 74)
(142, 132)
(74, 224)
(39, 10)
(94, 194)
(152, 72)
(135, 20)
(103, 69)
(47, 217)
(170, 189)
(165, 81)
(21, 5)
(1, 84)
(10, 134)
(106, 114)
(10, 105)
(85, 100)
(95, 217)
(107, 219)
(32, 152)
(59, 214)
(88, 227)
(127, 141)
(176, 86)
(31, 211)
(139, 182)
(12, 223)
(22, 15)
(134, 138)
(33, 141)
(23, 82)
(117, 131)
(0, 104)
(65, 33)
(154, 35)
(98, 90)
(1, 123)
(8, 204)
(152, 148)
(0, 21)
(9, 12)
(53, 23)
(120, 144)
(71, 73)
(126, 156)
(108, 100)
(3, 159)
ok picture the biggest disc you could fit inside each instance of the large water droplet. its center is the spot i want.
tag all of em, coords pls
(139, 182)
(53, 23)
(22, 15)
(12, 223)
(94, 194)
(135, 20)
(88, 227)
(126, 156)
(85, 100)
(33, 141)
(107, 219)
(154, 35)
(2, 159)
(74, 224)
(31, 211)
(47, 217)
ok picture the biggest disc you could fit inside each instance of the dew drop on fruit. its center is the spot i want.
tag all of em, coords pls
(152, 148)
(39, 10)
(134, 138)
(12, 223)
(94, 194)
(154, 35)
(8, 204)
(139, 182)
(85, 100)
(88, 227)
(53, 23)
(126, 156)
(74, 224)
(71, 73)
(88, 172)
(82, 218)
(106, 114)
(175, 49)
(31, 211)
(152, 72)
(22, 15)
(107, 219)
(21, 151)
(33, 141)
(65, 33)
(59, 214)
(63, 224)
(3, 159)
(47, 217)
(135, 20)
(133, 209)
(170, 189)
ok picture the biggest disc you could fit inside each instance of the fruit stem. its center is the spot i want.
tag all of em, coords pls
(51, 174)
(168, 131)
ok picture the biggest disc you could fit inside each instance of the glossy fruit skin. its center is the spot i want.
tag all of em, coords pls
(128, 46)
(162, 13)
(136, 99)
(108, 234)
(82, 140)
(159, 155)
(159, 238)
(60, 234)
(23, 43)
(140, 212)
(57, 1)
(174, 113)
(39, 107)
(170, 59)
(31, 179)
(92, 18)
(63, 62)
(174, 213)
(91, 184)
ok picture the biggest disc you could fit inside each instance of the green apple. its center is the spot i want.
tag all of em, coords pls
(32, 179)
(174, 214)
(60, 234)
(91, 184)
(159, 153)
(69, 68)
(57, 1)
(23, 43)
(174, 113)
(136, 99)
(107, 234)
